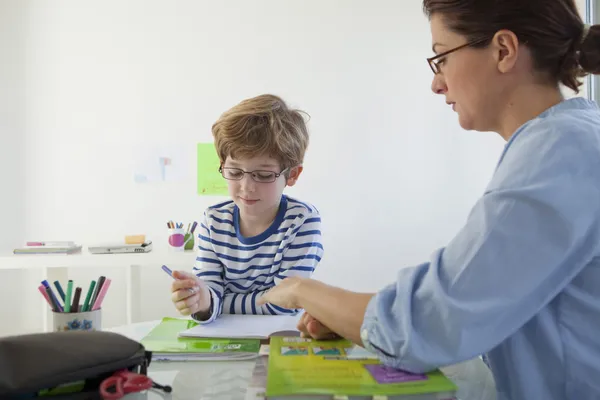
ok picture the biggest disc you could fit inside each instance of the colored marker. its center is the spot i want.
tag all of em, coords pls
(167, 270)
(55, 305)
(88, 297)
(53, 298)
(60, 291)
(68, 296)
(75, 305)
(97, 289)
(42, 290)
(98, 302)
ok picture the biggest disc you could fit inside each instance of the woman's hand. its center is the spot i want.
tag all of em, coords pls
(284, 294)
(189, 293)
(310, 327)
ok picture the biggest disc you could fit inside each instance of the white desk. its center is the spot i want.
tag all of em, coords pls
(227, 380)
(134, 277)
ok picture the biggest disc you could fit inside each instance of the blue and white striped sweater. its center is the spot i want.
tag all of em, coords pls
(238, 269)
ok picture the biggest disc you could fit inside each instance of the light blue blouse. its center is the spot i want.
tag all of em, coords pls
(521, 279)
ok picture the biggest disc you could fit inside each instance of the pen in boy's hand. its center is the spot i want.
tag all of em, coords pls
(167, 270)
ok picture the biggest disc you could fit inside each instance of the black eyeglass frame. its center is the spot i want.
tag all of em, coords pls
(431, 60)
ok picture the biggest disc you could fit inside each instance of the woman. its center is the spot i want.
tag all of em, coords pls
(520, 282)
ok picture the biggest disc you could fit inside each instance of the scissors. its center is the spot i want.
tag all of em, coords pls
(123, 382)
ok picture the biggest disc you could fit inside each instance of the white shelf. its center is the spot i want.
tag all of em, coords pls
(85, 259)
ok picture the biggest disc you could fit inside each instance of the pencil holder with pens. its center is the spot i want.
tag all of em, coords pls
(177, 239)
(69, 312)
(77, 321)
(180, 238)
(188, 241)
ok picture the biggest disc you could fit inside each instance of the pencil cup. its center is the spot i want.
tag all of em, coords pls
(79, 321)
(189, 241)
(177, 239)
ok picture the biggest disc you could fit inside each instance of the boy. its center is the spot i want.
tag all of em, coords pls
(260, 237)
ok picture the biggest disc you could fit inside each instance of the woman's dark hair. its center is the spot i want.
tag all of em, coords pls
(553, 31)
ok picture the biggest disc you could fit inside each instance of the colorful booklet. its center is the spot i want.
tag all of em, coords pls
(165, 344)
(299, 367)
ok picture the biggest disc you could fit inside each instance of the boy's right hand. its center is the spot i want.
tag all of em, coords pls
(189, 293)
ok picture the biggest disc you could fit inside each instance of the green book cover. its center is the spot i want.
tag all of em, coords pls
(300, 366)
(165, 344)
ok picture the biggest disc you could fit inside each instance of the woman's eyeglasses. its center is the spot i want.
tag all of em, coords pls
(436, 61)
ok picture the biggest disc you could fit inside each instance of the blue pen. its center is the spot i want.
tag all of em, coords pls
(60, 291)
(167, 270)
(47, 286)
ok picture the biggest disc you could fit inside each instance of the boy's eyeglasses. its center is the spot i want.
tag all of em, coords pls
(237, 174)
(435, 61)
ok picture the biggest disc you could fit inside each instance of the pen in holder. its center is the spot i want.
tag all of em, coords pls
(189, 241)
(77, 321)
(177, 239)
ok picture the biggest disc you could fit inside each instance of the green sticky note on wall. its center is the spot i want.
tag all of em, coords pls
(210, 181)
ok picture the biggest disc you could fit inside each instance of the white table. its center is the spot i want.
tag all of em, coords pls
(227, 380)
(126, 303)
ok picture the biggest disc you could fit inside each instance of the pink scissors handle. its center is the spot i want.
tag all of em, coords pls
(123, 382)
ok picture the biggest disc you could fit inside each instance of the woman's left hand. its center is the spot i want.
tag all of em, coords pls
(284, 294)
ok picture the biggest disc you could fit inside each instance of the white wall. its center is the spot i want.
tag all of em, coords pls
(84, 83)
(388, 167)
(21, 316)
(12, 124)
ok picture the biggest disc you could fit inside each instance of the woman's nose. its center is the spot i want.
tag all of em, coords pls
(438, 85)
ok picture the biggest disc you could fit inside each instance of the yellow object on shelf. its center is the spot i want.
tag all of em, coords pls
(135, 239)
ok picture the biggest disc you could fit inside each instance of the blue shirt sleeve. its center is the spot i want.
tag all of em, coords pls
(528, 236)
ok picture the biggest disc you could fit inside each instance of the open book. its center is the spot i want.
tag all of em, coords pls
(166, 345)
(241, 326)
(305, 368)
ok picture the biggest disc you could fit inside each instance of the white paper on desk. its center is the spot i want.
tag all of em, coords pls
(234, 326)
(359, 353)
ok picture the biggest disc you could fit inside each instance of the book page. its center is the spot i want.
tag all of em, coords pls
(244, 326)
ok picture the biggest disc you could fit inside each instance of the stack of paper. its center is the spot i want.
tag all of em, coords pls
(48, 248)
(236, 326)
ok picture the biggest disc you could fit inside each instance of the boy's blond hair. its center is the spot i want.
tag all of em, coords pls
(262, 125)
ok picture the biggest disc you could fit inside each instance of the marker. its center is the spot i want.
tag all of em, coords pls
(167, 270)
(60, 291)
(86, 304)
(68, 296)
(53, 298)
(75, 305)
(55, 305)
(97, 289)
(42, 290)
(101, 295)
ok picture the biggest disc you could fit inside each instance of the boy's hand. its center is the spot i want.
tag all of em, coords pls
(189, 293)
(309, 327)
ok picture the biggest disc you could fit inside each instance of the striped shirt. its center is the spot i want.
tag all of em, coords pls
(238, 269)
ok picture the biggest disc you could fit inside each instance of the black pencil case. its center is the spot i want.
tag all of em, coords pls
(71, 364)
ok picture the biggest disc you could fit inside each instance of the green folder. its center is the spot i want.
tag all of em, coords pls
(165, 344)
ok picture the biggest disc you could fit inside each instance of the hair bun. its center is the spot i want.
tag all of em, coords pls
(589, 50)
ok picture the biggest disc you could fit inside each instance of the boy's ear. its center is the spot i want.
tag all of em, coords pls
(294, 174)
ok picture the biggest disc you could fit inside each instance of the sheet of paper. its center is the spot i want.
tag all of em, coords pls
(244, 326)
(210, 181)
(359, 353)
(161, 163)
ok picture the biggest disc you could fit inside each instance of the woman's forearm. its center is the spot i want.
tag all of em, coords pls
(340, 310)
